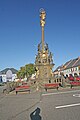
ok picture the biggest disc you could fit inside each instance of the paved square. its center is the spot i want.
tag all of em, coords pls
(57, 105)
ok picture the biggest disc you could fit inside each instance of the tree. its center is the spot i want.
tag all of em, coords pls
(21, 73)
(29, 69)
(26, 70)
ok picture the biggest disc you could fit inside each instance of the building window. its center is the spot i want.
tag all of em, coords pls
(76, 69)
(79, 67)
(75, 74)
(57, 80)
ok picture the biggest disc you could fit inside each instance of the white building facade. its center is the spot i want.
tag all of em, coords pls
(8, 74)
(70, 67)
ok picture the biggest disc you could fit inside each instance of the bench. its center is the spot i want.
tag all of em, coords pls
(51, 86)
(74, 84)
(22, 88)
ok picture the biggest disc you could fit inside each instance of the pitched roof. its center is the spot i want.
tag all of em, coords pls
(57, 68)
(77, 62)
(69, 64)
(74, 63)
(14, 71)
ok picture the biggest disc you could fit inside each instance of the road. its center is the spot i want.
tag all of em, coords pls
(61, 106)
(53, 105)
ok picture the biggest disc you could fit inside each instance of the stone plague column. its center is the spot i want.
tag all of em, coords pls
(43, 61)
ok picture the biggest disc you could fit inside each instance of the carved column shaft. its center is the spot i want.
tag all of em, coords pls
(43, 39)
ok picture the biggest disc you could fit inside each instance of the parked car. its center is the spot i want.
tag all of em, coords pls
(78, 78)
(71, 78)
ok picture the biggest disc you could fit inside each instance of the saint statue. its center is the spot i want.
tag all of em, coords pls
(42, 16)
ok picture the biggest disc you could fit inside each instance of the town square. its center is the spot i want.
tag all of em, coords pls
(40, 60)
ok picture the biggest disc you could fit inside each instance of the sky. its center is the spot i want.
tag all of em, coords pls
(20, 31)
